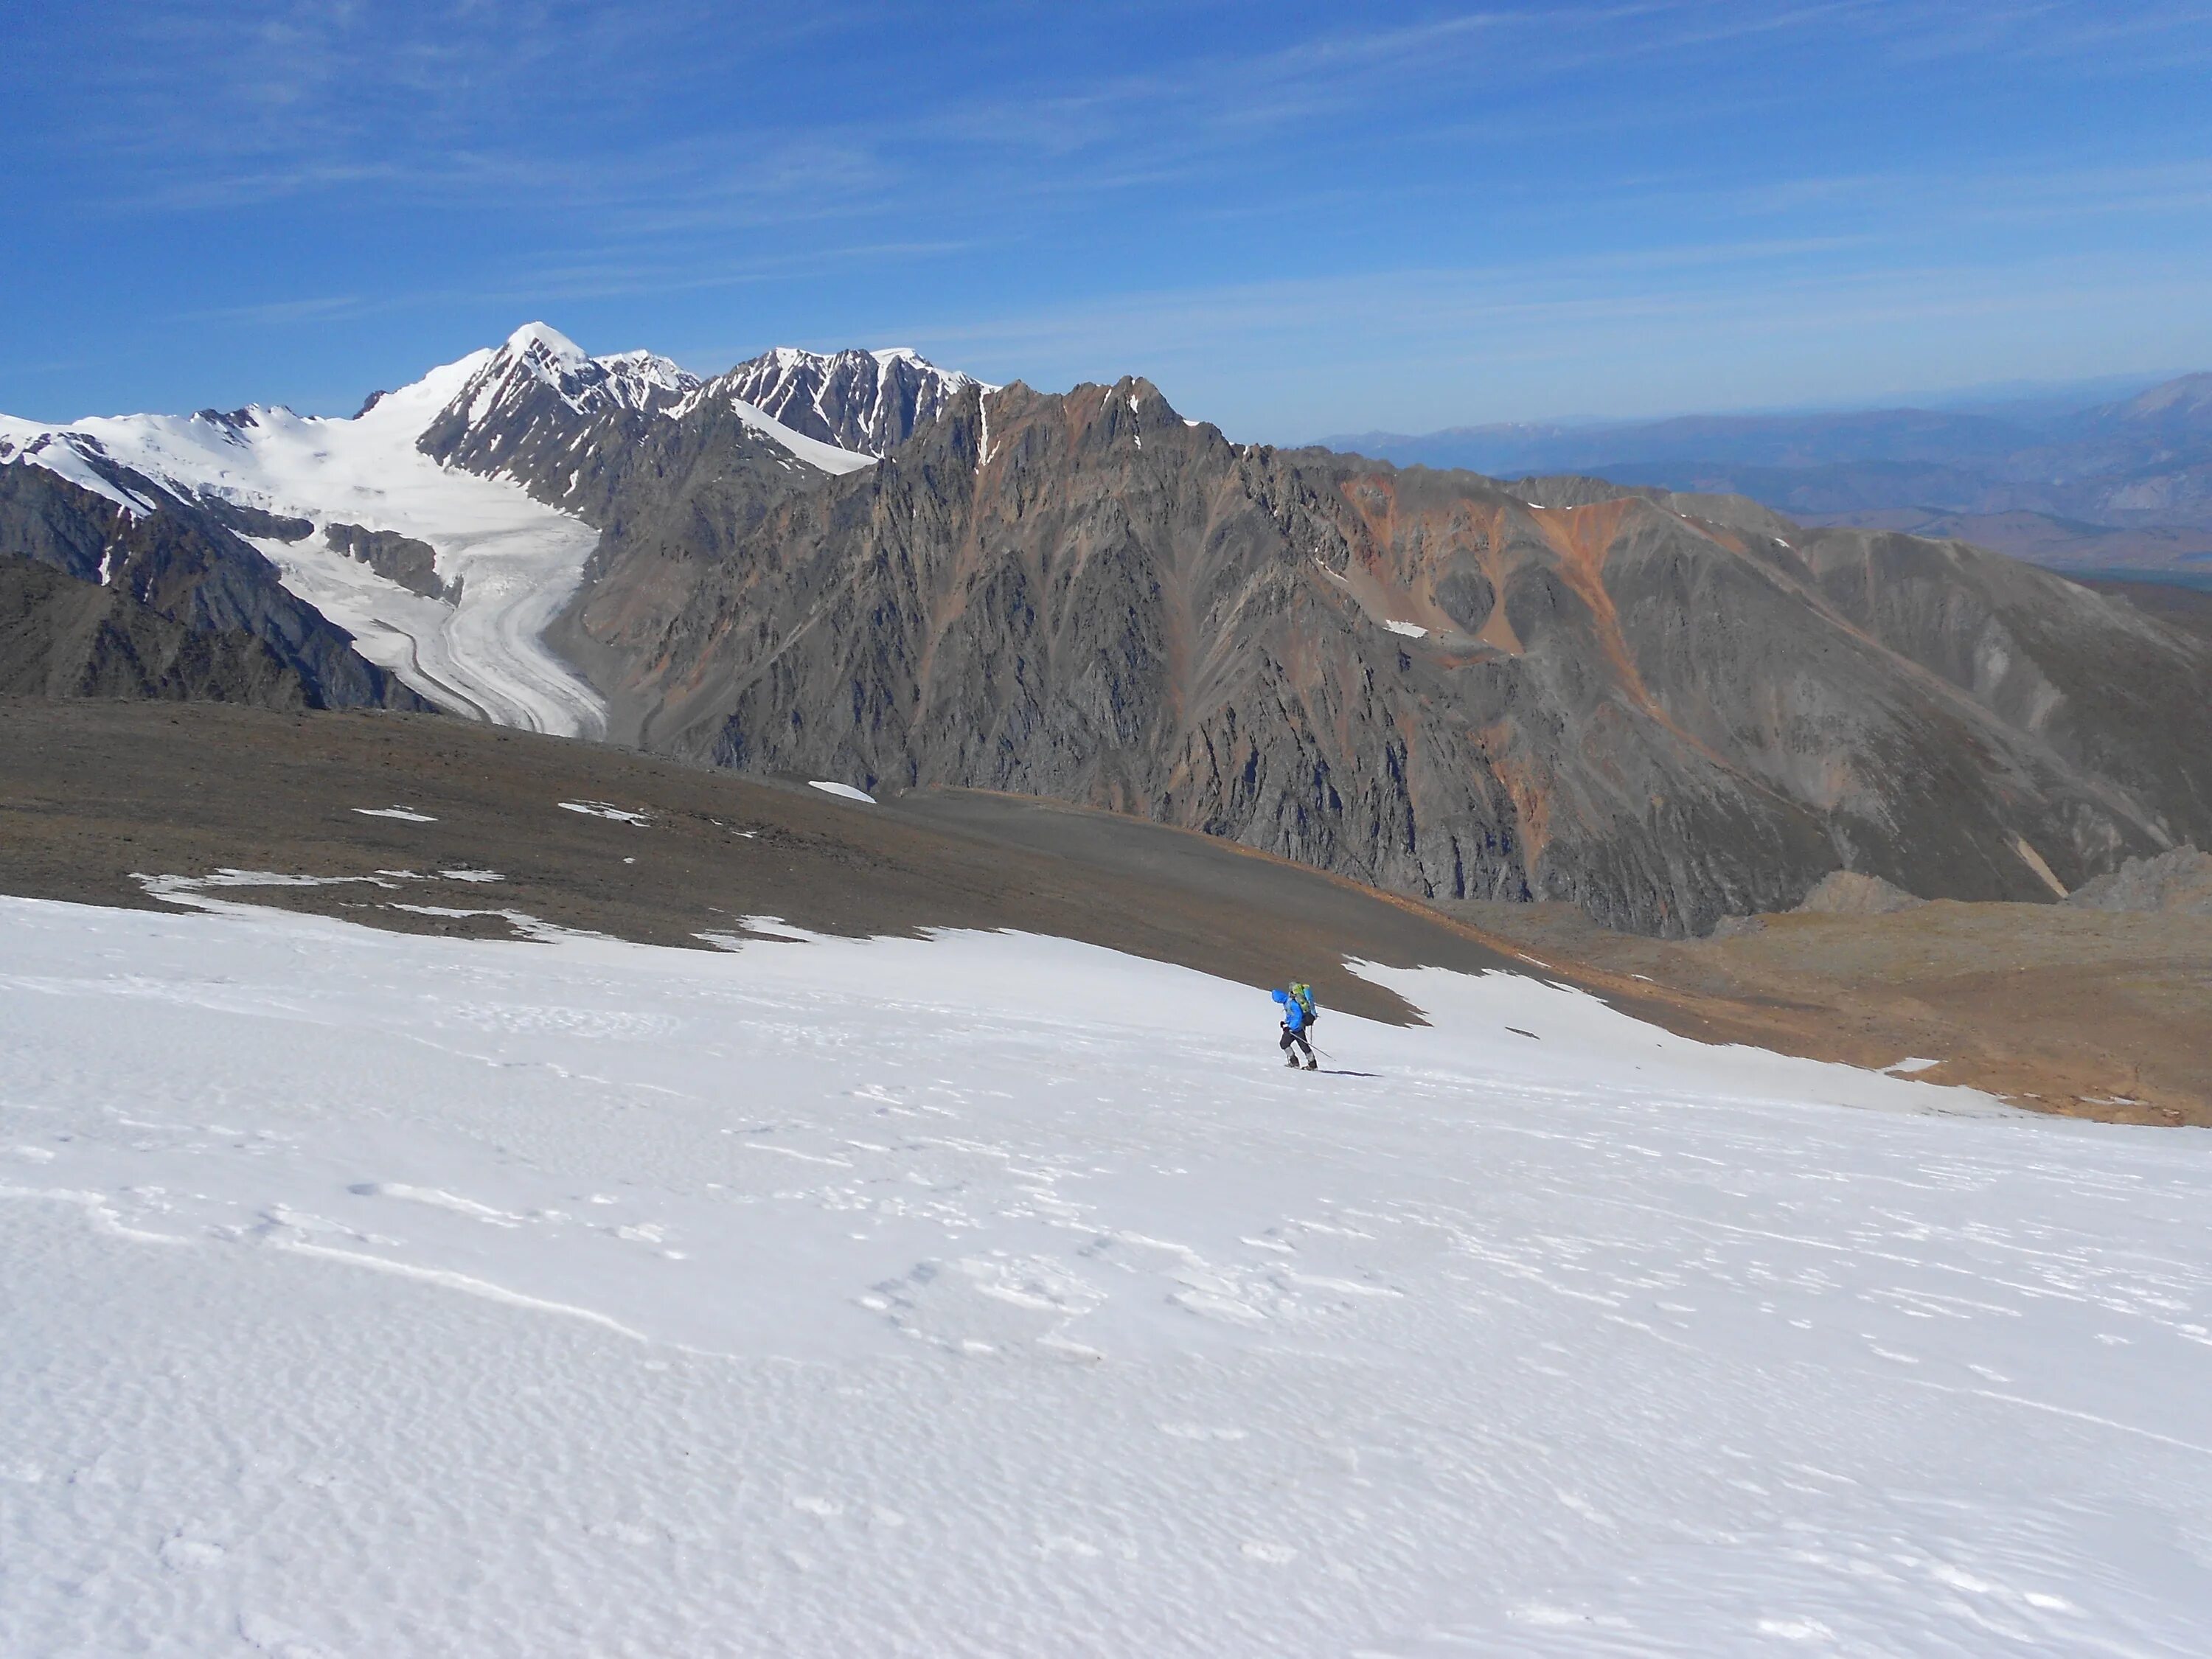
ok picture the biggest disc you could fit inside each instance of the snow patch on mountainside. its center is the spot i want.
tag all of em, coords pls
(827, 457)
(865, 401)
(70, 455)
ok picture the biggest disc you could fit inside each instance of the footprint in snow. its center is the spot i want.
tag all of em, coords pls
(278, 1640)
(190, 1554)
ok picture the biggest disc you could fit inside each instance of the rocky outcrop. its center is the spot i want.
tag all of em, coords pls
(252, 521)
(2178, 883)
(1666, 709)
(413, 564)
(176, 561)
(60, 637)
(539, 411)
(678, 501)
(1847, 893)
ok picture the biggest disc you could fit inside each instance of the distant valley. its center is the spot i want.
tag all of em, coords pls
(2119, 485)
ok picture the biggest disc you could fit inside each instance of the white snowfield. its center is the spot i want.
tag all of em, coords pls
(375, 1295)
(517, 560)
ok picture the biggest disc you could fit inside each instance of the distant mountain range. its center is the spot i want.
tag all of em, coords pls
(1664, 707)
(430, 540)
(2124, 484)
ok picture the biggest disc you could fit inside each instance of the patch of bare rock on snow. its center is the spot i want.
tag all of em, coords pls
(374, 1293)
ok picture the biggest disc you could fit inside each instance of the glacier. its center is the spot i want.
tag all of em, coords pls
(517, 560)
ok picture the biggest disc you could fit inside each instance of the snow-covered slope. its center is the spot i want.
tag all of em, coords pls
(371, 1294)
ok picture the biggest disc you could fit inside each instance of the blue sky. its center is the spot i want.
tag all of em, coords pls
(1296, 219)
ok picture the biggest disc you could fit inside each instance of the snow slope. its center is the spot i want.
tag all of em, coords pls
(371, 1294)
(827, 457)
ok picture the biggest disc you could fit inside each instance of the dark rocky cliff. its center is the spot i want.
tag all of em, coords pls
(60, 637)
(180, 563)
(403, 559)
(1664, 708)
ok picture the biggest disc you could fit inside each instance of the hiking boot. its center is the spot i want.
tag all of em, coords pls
(1311, 1065)
(1291, 1061)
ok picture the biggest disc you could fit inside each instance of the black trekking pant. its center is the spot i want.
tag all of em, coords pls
(1298, 1037)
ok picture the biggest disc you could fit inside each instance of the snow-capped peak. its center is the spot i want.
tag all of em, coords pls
(79, 457)
(867, 402)
(644, 367)
(537, 354)
(541, 343)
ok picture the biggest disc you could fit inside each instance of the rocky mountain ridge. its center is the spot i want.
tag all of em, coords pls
(1666, 708)
(60, 637)
(869, 402)
(568, 427)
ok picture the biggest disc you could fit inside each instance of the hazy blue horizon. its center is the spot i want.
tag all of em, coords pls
(1997, 399)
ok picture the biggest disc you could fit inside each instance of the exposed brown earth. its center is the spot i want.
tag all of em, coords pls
(2057, 1007)
(93, 793)
(2071, 1010)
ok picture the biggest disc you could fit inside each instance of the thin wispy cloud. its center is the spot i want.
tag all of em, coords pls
(1521, 330)
(345, 183)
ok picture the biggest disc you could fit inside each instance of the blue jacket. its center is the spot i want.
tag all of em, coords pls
(1294, 1013)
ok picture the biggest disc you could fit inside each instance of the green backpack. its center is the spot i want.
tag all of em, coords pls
(1305, 995)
